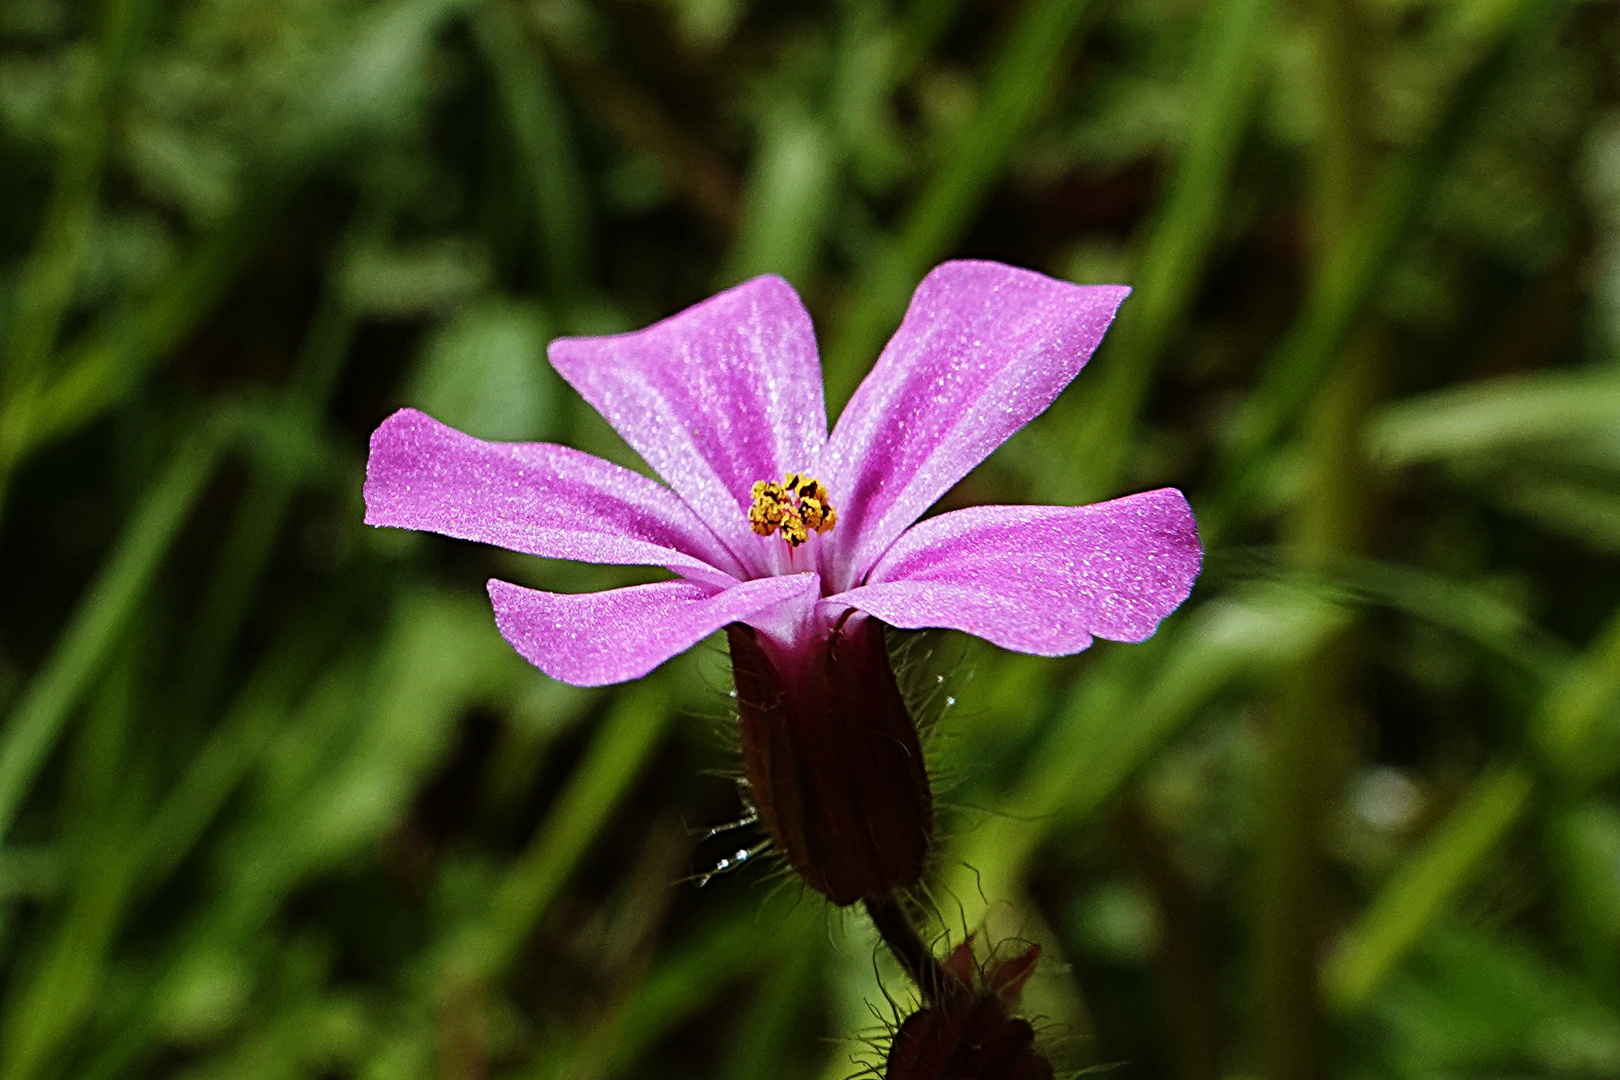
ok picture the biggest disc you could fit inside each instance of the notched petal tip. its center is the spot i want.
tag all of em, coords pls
(535, 624)
(764, 288)
(1176, 545)
(390, 442)
(774, 286)
(984, 276)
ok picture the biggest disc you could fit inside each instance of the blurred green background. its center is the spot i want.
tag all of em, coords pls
(276, 800)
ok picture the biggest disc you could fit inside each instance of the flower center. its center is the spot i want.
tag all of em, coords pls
(797, 506)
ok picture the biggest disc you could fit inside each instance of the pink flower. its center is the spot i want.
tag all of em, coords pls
(769, 521)
(803, 544)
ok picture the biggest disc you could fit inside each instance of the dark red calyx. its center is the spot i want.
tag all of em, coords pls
(833, 761)
(972, 1034)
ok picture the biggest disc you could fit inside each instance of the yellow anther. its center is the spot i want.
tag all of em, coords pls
(770, 503)
(797, 507)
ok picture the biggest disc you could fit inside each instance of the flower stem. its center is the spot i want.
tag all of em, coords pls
(908, 947)
(1313, 735)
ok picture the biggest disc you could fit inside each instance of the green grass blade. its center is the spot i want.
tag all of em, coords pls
(1015, 92)
(624, 743)
(1353, 266)
(787, 199)
(36, 722)
(1178, 247)
(105, 789)
(51, 276)
(1578, 727)
(538, 128)
(1570, 718)
(1120, 714)
(1424, 887)
(364, 89)
(1496, 415)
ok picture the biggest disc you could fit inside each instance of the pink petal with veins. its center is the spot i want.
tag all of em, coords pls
(535, 498)
(984, 349)
(1040, 579)
(592, 639)
(723, 394)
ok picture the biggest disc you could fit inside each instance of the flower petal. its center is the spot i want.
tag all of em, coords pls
(592, 639)
(532, 497)
(725, 393)
(983, 349)
(1040, 579)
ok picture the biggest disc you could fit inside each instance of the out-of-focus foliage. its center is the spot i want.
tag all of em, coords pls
(275, 799)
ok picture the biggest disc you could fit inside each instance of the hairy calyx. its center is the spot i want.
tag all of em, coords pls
(833, 760)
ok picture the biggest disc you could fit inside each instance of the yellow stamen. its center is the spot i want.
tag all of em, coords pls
(797, 507)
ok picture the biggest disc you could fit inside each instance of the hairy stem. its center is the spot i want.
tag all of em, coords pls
(908, 947)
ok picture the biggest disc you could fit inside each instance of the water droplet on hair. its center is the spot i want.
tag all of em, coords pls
(743, 822)
(731, 862)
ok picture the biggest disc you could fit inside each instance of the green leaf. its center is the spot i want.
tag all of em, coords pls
(485, 373)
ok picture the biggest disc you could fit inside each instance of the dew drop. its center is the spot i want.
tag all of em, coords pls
(751, 818)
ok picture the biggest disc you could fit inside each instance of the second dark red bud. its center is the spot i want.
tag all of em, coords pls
(969, 1032)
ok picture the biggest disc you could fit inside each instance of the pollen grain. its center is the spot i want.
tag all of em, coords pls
(796, 507)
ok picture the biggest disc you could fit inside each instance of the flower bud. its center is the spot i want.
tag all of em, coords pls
(970, 1032)
(832, 758)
